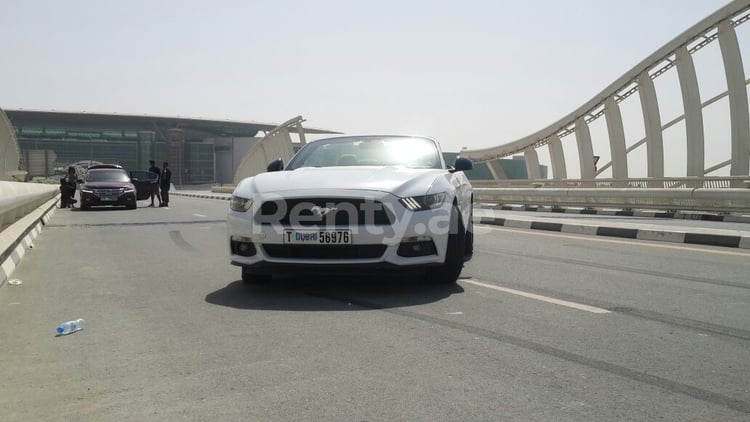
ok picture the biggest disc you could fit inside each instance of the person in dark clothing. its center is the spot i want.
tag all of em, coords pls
(68, 186)
(165, 180)
(155, 186)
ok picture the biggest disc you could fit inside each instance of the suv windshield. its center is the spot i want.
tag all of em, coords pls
(369, 151)
(107, 175)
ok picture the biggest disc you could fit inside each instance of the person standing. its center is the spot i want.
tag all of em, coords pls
(68, 185)
(165, 180)
(155, 185)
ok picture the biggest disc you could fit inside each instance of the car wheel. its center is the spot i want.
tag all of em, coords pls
(132, 207)
(454, 254)
(248, 277)
(85, 207)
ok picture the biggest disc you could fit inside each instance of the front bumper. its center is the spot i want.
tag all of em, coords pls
(93, 199)
(414, 239)
(380, 268)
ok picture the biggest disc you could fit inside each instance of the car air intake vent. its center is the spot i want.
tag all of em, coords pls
(322, 212)
(325, 252)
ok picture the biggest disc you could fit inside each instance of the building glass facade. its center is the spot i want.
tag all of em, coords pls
(57, 140)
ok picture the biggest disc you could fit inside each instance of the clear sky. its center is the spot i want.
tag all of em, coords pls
(470, 73)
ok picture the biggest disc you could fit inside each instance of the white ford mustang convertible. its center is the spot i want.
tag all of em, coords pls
(355, 205)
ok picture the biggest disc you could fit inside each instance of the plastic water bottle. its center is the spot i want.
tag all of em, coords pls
(71, 327)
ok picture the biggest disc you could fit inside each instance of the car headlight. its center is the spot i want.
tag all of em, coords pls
(87, 190)
(424, 202)
(240, 204)
(130, 189)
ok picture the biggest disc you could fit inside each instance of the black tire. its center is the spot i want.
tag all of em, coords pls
(248, 277)
(85, 207)
(454, 254)
(469, 245)
(132, 207)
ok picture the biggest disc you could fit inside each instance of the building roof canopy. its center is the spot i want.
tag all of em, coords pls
(194, 127)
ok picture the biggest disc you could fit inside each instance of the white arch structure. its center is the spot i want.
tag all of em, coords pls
(719, 26)
(10, 157)
(276, 144)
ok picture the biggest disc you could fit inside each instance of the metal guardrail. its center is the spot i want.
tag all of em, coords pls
(696, 199)
(713, 198)
(713, 182)
(18, 199)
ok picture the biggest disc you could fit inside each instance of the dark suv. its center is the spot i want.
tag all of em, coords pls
(107, 185)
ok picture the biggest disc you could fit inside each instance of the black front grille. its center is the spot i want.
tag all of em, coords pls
(340, 212)
(109, 192)
(325, 252)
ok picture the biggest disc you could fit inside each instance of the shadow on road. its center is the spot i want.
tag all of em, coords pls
(331, 294)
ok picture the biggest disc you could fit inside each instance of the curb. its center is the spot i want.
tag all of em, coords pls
(11, 258)
(741, 242)
(651, 214)
(204, 196)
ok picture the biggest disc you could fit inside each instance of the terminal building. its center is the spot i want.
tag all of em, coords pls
(199, 151)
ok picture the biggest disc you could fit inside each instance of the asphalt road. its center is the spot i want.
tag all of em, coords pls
(542, 326)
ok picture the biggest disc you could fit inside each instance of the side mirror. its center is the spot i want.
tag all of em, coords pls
(275, 165)
(462, 164)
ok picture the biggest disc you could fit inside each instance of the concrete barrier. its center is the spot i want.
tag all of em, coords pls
(24, 209)
(17, 199)
(223, 189)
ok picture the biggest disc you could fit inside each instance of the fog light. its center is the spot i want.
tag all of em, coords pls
(411, 247)
(242, 246)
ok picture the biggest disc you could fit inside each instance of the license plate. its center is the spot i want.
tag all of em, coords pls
(109, 198)
(318, 237)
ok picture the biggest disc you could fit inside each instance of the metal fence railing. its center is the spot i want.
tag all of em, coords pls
(685, 199)
(712, 182)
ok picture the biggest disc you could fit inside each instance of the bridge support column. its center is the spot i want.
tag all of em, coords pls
(585, 149)
(652, 123)
(691, 100)
(616, 132)
(557, 157)
(738, 105)
(301, 134)
(532, 164)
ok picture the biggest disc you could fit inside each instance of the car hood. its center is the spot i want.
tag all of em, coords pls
(399, 181)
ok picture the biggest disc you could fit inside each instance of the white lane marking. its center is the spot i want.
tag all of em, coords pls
(633, 242)
(578, 306)
(455, 313)
(200, 215)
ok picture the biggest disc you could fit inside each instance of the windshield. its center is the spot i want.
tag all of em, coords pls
(107, 176)
(369, 151)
